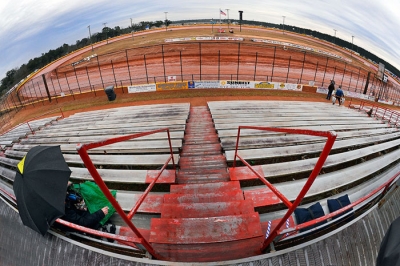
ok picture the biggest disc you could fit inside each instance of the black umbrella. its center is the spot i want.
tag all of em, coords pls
(40, 186)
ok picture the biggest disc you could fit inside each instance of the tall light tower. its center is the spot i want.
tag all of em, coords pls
(105, 25)
(334, 40)
(166, 21)
(227, 11)
(132, 28)
(352, 39)
(283, 28)
(90, 37)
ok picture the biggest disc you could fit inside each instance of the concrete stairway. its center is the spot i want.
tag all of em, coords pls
(205, 217)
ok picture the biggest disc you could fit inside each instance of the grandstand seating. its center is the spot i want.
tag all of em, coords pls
(366, 153)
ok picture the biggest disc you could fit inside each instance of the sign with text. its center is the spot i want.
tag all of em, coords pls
(141, 88)
(172, 86)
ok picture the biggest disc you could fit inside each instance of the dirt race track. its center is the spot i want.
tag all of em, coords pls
(149, 59)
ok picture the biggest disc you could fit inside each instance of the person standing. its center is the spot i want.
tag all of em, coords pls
(339, 95)
(331, 88)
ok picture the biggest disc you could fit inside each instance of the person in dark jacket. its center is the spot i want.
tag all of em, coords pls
(78, 214)
(339, 95)
(331, 88)
(84, 217)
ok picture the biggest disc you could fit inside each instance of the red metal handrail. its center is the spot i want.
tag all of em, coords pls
(331, 137)
(385, 186)
(34, 118)
(376, 108)
(82, 150)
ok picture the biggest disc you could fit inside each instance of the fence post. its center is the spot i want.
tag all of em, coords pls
(145, 67)
(326, 66)
(40, 91)
(200, 58)
(77, 82)
(87, 74)
(58, 80)
(367, 83)
(219, 62)
(359, 70)
(334, 73)
(30, 91)
(180, 58)
(47, 88)
(54, 89)
(302, 68)
(273, 63)
(344, 72)
(255, 67)
(127, 63)
(112, 67)
(238, 59)
(287, 75)
(316, 69)
(162, 50)
(98, 65)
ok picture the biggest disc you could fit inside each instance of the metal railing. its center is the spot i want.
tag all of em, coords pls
(386, 114)
(32, 119)
(82, 149)
(331, 137)
(382, 189)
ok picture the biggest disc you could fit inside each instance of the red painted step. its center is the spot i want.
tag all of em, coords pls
(205, 230)
(201, 210)
(204, 188)
(206, 197)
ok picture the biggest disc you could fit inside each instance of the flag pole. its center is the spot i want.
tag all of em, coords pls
(219, 11)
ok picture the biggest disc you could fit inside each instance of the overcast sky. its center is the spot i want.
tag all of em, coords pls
(29, 28)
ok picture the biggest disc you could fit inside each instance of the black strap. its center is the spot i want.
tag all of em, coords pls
(311, 213)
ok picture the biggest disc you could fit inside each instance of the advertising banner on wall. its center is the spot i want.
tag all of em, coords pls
(172, 86)
(204, 84)
(236, 84)
(278, 86)
(141, 88)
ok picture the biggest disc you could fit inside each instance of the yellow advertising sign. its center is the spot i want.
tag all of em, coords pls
(172, 86)
(264, 85)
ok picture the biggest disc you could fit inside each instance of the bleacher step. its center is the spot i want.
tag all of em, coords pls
(205, 188)
(203, 210)
(216, 196)
(205, 230)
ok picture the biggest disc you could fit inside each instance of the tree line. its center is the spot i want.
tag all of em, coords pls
(15, 75)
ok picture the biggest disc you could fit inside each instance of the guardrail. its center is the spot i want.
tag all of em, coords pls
(384, 113)
(139, 242)
(331, 137)
(32, 119)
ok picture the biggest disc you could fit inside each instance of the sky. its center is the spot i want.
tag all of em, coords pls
(29, 28)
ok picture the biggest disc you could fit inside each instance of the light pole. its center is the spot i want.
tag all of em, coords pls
(352, 39)
(283, 28)
(227, 11)
(90, 37)
(132, 28)
(105, 29)
(166, 21)
(334, 40)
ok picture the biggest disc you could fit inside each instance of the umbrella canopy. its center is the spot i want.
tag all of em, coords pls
(40, 187)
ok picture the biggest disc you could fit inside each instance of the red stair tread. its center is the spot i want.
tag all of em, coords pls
(205, 188)
(244, 173)
(207, 197)
(212, 209)
(262, 197)
(167, 176)
(211, 252)
(205, 230)
(151, 204)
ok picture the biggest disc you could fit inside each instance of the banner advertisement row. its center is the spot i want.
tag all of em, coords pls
(210, 38)
(215, 84)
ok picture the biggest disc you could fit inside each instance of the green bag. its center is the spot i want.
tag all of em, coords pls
(95, 199)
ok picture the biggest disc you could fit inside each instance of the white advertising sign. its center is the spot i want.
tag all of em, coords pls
(142, 88)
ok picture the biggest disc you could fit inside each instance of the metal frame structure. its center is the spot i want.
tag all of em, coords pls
(82, 149)
(331, 137)
(380, 112)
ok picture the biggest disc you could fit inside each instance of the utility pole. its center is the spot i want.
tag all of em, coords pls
(283, 28)
(105, 25)
(334, 40)
(132, 28)
(90, 37)
(166, 21)
(227, 12)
